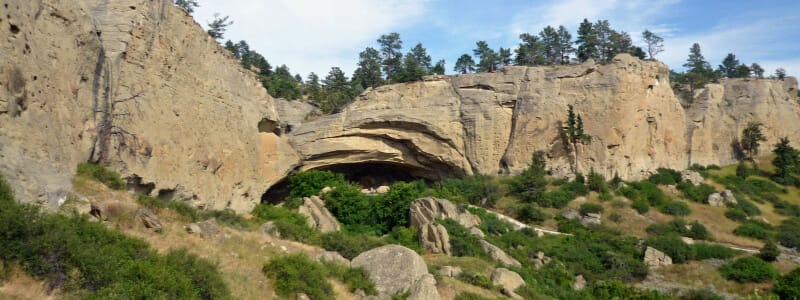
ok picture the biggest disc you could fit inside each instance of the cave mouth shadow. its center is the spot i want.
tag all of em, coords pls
(367, 175)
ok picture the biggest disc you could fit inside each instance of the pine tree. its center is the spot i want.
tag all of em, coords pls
(552, 45)
(488, 59)
(586, 41)
(728, 66)
(368, 72)
(751, 139)
(654, 42)
(392, 58)
(786, 161)
(575, 134)
(465, 64)
(438, 68)
(780, 73)
(531, 184)
(337, 90)
(217, 27)
(187, 5)
(530, 51)
(757, 70)
(421, 56)
(565, 44)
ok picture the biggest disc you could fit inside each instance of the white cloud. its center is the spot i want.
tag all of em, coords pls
(308, 35)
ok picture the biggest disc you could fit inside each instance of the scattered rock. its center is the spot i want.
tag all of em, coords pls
(382, 189)
(571, 214)
(394, 269)
(193, 228)
(149, 219)
(477, 232)
(332, 256)
(428, 210)
(424, 289)
(580, 283)
(302, 296)
(693, 177)
(450, 271)
(586, 220)
(325, 190)
(207, 229)
(580, 199)
(687, 240)
(728, 197)
(317, 215)
(715, 199)
(434, 238)
(507, 279)
(498, 254)
(269, 229)
(655, 258)
(511, 294)
(539, 260)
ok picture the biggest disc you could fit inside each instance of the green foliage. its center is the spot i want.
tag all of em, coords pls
(310, 183)
(693, 230)
(788, 286)
(354, 278)
(748, 269)
(462, 243)
(700, 295)
(675, 208)
(615, 289)
(378, 214)
(672, 245)
(645, 190)
(469, 296)
(641, 206)
(490, 223)
(73, 253)
(597, 182)
(349, 245)
(290, 224)
(701, 251)
(755, 229)
(748, 207)
(530, 185)
(786, 162)
(697, 193)
(770, 251)
(788, 233)
(102, 174)
(530, 213)
(297, 273)
(752, 138)
(615, 217)
(591, 208)
(736, 214)
(754, 188)
(477, 280)
(480, 190)
(665, 176)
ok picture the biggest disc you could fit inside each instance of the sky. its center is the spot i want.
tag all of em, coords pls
(315, 35)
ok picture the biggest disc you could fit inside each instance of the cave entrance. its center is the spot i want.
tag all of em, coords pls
(367, 175)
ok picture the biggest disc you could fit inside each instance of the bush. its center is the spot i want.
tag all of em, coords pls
(293, 274)
(672, 245)
(290, 224)
(354, 278)
(697, 193)
(373, 214)
(615, 217)
(480, 190)
(309, 183)
(462, 243)
(755, 229)
(103, 175)
(650, 192)
(693, 230)
(788, 233)
(469, 296)
(769, 252)
(788, 286)
(748, 269)
(736, 214)
(641, 206)
(349, 246)
(748, 207)
(701, 251)
(597, 182)
(591, 208)
(530, 213)
(606, 196)
(676, 208)
(665, 177)
(476, 280)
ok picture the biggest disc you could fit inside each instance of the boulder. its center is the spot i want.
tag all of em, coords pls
(477, 232)
(511, 294)
(715, 199)
(571, 214)
(579, 284)
(498, 254)
(539, 260)
(332, 256)
(382, 189)
(325, 190)
(591, 218)
(450, 271)
(655, 258)
(424, 289)
(428, 210)
(728, 197)
(269, 229)
(207, 229)
(434, 238)
(507, 279)
(693, 177)
(317, 216)
(302, 296)
(149, 219)
(394, 269)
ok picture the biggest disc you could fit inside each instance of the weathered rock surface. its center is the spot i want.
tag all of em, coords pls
(428, 210)
(149, 219)
(498, 254)
(721, 198)
(332, 256)
(424, 289)
(507, 279)
(655, 258)
(434, 238)
(394, 269)
(317, 215)
(579, 284)
(692, 176)
(207, 229)
(294, 113)
(728, 197)
(539, 260)
(203, 125)
(450, 271)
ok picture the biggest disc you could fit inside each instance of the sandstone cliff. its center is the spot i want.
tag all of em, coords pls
(205, 128)
(491, 123)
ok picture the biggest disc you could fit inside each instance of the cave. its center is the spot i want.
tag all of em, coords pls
(367, 175)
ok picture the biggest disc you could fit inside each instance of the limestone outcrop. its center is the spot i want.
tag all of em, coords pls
(317, 215)
(205, 129)
(424, 213)
(396, 269)
(655, 258)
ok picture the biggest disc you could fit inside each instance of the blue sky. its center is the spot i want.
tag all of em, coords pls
(315, 35)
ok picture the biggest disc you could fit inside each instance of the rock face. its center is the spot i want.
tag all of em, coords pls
(721, 198)
(507, 279)
(428, 210)
(434, 238)
(498, 254)
(317, 215)
(394, 269)
(205, 128)
(655, 258)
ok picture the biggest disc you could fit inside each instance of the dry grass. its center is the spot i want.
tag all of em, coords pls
(20, 286)
(700, 275)
(449, 288)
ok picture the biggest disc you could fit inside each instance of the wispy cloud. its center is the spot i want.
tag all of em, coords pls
(312, 36)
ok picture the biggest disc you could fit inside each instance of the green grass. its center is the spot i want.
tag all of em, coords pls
(102, 174)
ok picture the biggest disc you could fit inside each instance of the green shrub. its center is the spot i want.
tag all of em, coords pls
(672, 245)
(788, 286)
(615, 217)
(354, 278)
(694, 230)
(469, 296)
(530, 185)
(591, 208)
(788, 233)
(489, 222)
(309, 183)
(641, 206)
(462, 243)
(597, 182)
(476, 280)
(700, 295)
(748, 207)
(293, 274)
(755, 229)
(408, 237)
(748, 269)
(701, 251)
(606, 196)
(530, 213)
(615, 289)
(350, 246)
(676, 208)
(736, 214)
(290, 224)
(101, 174)
(769, 252)
(650, 192)
(784, 207)
(480, 190)
(665, 177)
(697, 193)
(377, 214)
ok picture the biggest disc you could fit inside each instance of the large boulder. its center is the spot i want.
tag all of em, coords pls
(728, 197)
(434, 238)
(693, 177)
(507, 279)
(655, 258)
(715, 199)
(428, 210)
(394, 269)
(424, 289)
(317, 216)
(498, 254)
(207, 229)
